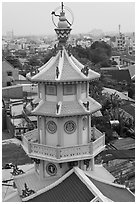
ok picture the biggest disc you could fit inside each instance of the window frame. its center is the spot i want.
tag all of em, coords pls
(9, 73)
(65, 93)
(48, 93)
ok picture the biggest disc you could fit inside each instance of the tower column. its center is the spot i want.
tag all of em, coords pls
(41, 169)
(39, 90)
(79, 129)
(87, 89)
(43, 91)
(38, 121)
(59, 92)
(78, 91)
(60, 132)
(89, 127)
(92, 164)
(43, 130)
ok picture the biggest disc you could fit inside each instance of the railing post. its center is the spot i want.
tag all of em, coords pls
(58, 153)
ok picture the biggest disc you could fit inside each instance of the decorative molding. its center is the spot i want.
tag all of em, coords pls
(51, 127)
(70, 127)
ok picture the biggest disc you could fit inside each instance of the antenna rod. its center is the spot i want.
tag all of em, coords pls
(119, 28)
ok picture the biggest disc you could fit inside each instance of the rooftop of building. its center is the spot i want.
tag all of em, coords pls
(124, 143)
(75, 186)
(129, 109)
(117, 74)
(120, 94)
(131, 69)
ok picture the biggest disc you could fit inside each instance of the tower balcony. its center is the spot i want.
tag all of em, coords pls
(63, 154)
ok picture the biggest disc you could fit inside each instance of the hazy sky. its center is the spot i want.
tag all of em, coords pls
(35, 18)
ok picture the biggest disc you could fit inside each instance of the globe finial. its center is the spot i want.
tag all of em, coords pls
(63, 26)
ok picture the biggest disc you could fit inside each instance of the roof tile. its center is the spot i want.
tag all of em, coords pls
(72, 189)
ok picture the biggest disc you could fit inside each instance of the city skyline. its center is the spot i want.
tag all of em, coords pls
(33, 18)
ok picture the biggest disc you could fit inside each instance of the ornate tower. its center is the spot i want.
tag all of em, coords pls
(64, 137)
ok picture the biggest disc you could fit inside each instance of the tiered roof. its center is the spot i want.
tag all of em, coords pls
(70, 69)
(67, 108)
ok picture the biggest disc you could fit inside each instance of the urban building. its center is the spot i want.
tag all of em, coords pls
(9, 74)
(120, 42)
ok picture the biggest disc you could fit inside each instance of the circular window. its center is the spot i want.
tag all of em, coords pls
(70, 127)
(51, 169)
(51, 127)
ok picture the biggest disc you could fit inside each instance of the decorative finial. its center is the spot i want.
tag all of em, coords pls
(62, 6)
(63, 26)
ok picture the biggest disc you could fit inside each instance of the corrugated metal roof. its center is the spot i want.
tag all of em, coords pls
(130, 109)
(72, 189)
(116, 194)
(118, 75)
(124, 143)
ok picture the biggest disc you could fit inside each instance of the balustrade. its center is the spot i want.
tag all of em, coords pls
(43, 150)
(33, 134)
(62, 153)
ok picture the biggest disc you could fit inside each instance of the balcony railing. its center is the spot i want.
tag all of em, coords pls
(62, 154)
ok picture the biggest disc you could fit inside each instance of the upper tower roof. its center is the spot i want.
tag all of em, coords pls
(63, 67)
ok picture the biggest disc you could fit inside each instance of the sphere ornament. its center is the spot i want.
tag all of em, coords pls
(51, 169)
(62, 21)
(51, 127)
(70, 127)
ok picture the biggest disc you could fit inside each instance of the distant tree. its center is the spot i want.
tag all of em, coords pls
(14, 61)
(100, 52)
(47, 57)
(131, 91)
(33, 61)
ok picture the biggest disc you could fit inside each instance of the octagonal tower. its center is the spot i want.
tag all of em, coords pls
(64, 137)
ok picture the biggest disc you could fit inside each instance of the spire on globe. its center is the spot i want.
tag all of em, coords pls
(64, 23)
